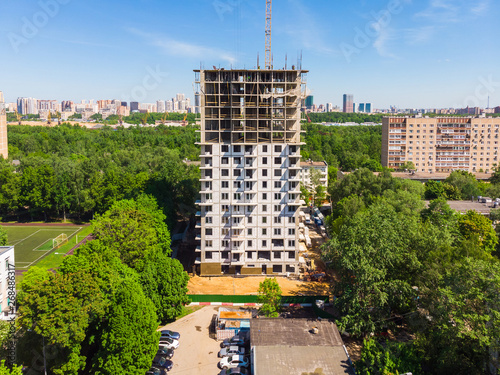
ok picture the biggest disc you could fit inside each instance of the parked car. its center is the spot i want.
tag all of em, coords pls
(235, 340)
(229, 351)
(162, 362)
(234, 361)
(171, 334)
(169, 343)
(235, 371)
(168, 353)
(156, 371)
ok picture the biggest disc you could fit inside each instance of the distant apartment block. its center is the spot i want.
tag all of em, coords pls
(305, 172)
(4, 145)
(348, 103)
(441, 144)
(6, 263)
(250, 171)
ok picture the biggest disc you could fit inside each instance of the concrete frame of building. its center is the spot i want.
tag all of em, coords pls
(441, 144)
(250, 171)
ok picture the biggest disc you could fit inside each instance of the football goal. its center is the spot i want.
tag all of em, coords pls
(59, 240)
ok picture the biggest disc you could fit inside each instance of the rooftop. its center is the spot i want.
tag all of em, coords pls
(288, 346)
(294, 332)
(4, 249)
(313, 164)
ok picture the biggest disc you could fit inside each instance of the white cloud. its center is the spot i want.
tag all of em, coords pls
(453, 10)
(170, 46)
(381, 43)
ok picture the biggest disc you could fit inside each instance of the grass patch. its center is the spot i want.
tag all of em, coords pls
(186, 310)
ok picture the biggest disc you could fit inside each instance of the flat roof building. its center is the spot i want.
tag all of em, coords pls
(250, 171)
(441, 144)
(297, 346)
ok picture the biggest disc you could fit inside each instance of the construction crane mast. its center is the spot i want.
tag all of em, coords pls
(269, 10)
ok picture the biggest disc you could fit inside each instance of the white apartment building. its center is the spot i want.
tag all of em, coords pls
(250, 171)
(305, 172)
(6, 265)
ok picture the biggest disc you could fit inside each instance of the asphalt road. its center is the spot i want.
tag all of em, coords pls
(197, 352)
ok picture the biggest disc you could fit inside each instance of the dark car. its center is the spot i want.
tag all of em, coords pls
(234, 371)
(233, 341)
(164, 352)
(156, 371)
(171, 334)
(160, 361)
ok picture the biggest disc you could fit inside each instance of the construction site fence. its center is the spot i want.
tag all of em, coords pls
(253, 299)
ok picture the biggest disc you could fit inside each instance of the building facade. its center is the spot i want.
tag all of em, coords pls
(305, 173)
(4, 144)
(7, 263)
(441, 144)
(250, 171)
(348, 102)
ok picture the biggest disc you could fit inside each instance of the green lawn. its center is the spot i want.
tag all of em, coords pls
(34, 243)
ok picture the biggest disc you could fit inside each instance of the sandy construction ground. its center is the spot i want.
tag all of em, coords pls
(250, 285)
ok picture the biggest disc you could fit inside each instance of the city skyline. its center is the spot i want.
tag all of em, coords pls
(399, 52)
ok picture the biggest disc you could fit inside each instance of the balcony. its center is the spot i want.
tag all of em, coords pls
(198, 225)
(198, 249)
(198, 213)
(198, 237)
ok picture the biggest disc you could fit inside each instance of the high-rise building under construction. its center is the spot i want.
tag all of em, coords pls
(250, 164)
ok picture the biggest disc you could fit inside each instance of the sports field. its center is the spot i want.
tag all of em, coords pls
(32, 243)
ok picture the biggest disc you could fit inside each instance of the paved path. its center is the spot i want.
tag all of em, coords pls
(197, 352)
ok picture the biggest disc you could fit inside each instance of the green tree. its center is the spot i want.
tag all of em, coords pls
(270, 297)
(37, 184)
(4, 370)
(388, 358)
(474, 225)
(128, 340)
(3, 237)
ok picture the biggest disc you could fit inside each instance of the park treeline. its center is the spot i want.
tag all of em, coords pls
(71, 171)
(420, 283)
(344, 147)
(99, 312)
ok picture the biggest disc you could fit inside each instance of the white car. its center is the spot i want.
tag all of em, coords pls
(234, 361)
(169, 343)
(229, 351)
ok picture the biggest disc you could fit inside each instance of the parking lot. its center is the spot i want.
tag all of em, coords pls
(197, 352)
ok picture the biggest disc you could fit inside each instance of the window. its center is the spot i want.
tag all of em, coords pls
(248, 185)
(291, 231)
(249, 231)
(237, 172)
(277, 268)
(264, 243)
(291, 243)
(264, 160)
(264, 184)
(208, 255)
(225, 220)
(224, 172)
(249, 243)
(277, 148)
(264, 220)
(208, 220)
(236, 148)
(277, 160)
(264, 196)
(264, 148)
(208, 231)
(264, 208)
(250, 254)
(224, 161)
(277, 208)
(237, 184)
(264, 173)
(291, 220)
(225, 148)
(291, 255)
(277, 220)
(225, 184)
(225, 243)
(237, 196)
(264, 231)
(277, 173)
(249, 220)
(237, 160)
(277, 184)
(225, 208)
(276, 254)
(208, 243)
(224, 196)
(277, 196)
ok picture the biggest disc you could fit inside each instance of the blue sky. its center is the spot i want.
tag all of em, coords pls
(407, 53)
